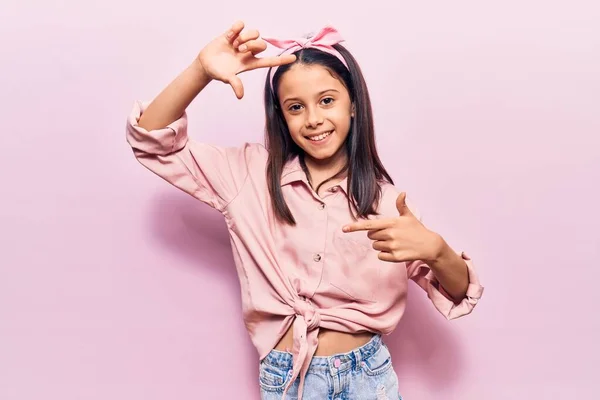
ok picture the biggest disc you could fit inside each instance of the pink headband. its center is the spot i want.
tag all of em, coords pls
(322, 40)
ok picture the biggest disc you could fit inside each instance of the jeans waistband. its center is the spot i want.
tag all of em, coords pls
(335, 363)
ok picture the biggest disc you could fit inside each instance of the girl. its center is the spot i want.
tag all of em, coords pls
(323, 242)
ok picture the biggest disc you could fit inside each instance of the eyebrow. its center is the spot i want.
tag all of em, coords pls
(319, 94)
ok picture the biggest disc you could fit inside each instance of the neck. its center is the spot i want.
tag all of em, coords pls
(321, 170)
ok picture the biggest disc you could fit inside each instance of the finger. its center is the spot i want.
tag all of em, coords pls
(397, 256)
(369, 225)
(245, 37)
(253, 46)
(403, 209)
(267, 62)
(385, 256)
(380, 234)
(236, 84)
(382, 245)
(233, 32)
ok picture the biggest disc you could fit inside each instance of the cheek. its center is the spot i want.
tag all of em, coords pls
(343, 123)
(294, 125)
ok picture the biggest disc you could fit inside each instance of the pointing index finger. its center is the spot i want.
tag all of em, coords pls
(367, 225)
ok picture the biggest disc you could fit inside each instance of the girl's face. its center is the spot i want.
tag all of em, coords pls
(317, 110)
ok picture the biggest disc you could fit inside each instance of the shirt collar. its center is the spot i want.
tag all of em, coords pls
(293, 172)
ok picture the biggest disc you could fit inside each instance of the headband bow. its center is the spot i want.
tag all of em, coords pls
(322, 40)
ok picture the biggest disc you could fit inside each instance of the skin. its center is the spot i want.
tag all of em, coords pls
(405, 239)
(314, 101)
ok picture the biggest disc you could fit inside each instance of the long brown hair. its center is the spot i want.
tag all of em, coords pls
(364, 168)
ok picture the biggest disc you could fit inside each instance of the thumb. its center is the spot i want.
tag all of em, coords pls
(237, 86)
(403, 209)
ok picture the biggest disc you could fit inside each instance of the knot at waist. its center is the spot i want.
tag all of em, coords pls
(304, 308)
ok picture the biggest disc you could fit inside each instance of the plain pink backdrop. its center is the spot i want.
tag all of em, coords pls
(114, 285)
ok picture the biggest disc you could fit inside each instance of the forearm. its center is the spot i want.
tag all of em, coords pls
(170, 104)
(451, 272)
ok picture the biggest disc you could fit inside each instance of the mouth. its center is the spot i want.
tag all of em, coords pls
(320, 137)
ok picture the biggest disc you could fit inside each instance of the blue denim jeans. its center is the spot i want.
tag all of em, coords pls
(365, 373)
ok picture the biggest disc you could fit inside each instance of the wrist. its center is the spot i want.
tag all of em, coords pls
(199, 74)
(442, 255)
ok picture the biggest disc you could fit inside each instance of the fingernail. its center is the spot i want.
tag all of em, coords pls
(243, 47)
(345, 229)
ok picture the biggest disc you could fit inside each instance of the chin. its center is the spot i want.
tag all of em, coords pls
(322, 154)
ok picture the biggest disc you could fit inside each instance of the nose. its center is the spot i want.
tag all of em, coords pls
(314, 117)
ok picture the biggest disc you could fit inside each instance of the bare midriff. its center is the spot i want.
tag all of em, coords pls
(330, 342)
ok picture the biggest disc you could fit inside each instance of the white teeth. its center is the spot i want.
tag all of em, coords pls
(320, 137)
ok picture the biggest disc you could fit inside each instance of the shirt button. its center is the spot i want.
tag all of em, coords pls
(321, 206)
(317, 257)
(333, 189)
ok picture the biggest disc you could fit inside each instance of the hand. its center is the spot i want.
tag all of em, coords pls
(234, 52)
(403, 238)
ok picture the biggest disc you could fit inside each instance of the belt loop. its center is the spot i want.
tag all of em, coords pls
(358, 358)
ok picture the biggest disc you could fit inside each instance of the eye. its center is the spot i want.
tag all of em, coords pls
(328, 100)
(295, 107)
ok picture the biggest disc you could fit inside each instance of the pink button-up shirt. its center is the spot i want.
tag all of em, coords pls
(308, 276)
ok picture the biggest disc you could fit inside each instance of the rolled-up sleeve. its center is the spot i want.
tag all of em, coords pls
(211, 174)
(420, 273)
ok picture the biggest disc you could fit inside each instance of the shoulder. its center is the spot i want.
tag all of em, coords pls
(387, 204)
(252, 154)
(252, 158)
(256, 150)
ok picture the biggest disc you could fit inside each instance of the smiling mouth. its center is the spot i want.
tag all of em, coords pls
(318, 138)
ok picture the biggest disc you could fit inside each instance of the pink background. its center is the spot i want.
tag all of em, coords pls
(114, 285)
